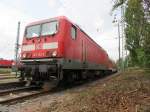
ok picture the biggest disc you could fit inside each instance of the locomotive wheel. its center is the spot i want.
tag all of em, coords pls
(21, 77)
(28, 83)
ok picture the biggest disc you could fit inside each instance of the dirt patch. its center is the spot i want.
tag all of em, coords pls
(129, 92)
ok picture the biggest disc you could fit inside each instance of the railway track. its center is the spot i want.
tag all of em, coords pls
(7, 77)
(9, 85)
(2, 75)
(14, 92)
(17, 89)
(11, 95)
(20, 94)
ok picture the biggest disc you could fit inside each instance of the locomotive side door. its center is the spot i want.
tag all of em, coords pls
(83, 51)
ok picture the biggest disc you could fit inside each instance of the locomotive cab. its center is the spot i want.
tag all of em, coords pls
(41, 49)
(40, 41)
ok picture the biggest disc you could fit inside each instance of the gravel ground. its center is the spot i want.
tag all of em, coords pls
(33, 105)
(128, 92)
(37, 104)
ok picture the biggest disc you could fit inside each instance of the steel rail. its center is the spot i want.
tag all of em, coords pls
(16, 99)
(11, 77)
(36, 93)
(11, 84)
(12, 90)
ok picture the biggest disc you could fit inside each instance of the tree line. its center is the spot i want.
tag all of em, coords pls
(137, 30)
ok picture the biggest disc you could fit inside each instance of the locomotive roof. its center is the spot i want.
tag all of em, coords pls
(46, 20)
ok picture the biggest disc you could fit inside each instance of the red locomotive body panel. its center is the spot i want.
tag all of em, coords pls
(82, 48)
(6, 63)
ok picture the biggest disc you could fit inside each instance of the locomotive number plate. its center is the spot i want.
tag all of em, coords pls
(38, 46)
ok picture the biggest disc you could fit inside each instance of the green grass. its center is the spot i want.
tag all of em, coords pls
(8, 81)
(5, 70)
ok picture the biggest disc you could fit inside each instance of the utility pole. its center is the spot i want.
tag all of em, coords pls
(126, 51)
(119, 39)
(119, 43)
(122, 27)
(17, 47)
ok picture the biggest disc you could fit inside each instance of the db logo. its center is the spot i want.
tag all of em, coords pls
(38, 46)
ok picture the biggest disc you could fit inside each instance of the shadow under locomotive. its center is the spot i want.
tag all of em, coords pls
(63, 86)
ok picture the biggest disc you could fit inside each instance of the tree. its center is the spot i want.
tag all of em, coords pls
(119, 3)
(137, 31)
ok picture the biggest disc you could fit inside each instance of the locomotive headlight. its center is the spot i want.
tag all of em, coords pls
(13, 63)
(54, 54)
(24, 55)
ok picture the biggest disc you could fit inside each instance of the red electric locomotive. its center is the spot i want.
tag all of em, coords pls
(5, 63)
(57, 49)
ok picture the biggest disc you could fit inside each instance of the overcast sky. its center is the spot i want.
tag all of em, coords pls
(93, 16)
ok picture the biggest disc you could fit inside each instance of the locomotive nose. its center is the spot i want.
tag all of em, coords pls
(40, 50)
(51, 45)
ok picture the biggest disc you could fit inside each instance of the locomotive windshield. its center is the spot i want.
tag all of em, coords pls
(49, 28)
(33, 31)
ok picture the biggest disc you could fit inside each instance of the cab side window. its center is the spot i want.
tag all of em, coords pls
(73, 32)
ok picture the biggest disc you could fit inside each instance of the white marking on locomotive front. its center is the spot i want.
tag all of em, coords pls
(28, 47)
(52, 45)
